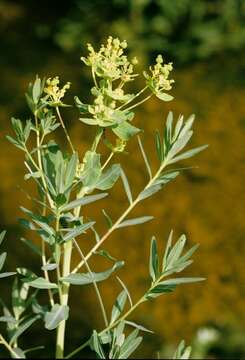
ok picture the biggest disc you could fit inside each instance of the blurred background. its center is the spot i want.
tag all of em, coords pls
(205, 39)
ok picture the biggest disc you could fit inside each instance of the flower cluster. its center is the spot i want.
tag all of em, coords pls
(112, 105)
(158, 81)
(110, 62)
(53, 90)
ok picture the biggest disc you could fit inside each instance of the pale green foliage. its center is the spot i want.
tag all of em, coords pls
(68, 182)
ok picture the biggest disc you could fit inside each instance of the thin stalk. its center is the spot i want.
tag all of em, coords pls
(119, 220)
(94, 284)
(137, 95)
(108, 160)
(140, 102)
(94, 78)
(64, 128)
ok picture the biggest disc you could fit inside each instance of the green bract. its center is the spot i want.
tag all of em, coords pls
(67, 182)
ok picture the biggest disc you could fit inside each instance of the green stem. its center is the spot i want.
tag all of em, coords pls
(139, 103)
(108, 160)
(137, 95)
(64, 128)
(60, 340)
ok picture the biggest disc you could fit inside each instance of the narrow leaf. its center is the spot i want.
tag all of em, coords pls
(32, 246)
(154, 261)
(118, 306)
(41, 283)
(83, 201)
(135, 221)
(126, 186)
(2, 259)
(188, 154)
(7, 274)
(89, 278)
(2, 234)
(22, 328)
(78, 231)
(144, 157)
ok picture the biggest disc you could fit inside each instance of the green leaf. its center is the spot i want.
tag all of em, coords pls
(2, 259)
(22, 328)
(179, 144)
(105, 254)
(108, 178)
(175, 252)
(188, 154)
(83, 201)
(81, 106)
(118, 306)
(49, 267)
(135, 221)
(139, 327)
(16, 143)
(178, 281)
(154, 261)
(159, 148)
(92, 169)
(164, 96)
(126, 186)
(126, 290)
(167, 250)
(178, 127)
(187, 126)
(71, 171)
(8, 319)
(144, 157)
(57, 314)
(182, 351)
(149, 191)
(45, 227)
(130, 345)
(125, 130)
(7, 274)
(161, 289)
(2, 235)
(40, 283)
(19, 297)
(108, 219)
(96, 346)
(36, 90)
(32, 246)
(78, 231)
(17, 353)
(89, 278)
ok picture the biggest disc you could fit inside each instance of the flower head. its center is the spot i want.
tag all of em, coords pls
(54, 91)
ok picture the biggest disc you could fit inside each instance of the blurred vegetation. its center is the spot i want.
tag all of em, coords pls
(206, 41)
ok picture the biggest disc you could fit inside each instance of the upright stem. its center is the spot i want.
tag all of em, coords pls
(64, 300)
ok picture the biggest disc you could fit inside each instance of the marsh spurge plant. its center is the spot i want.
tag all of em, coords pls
(67, 181)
